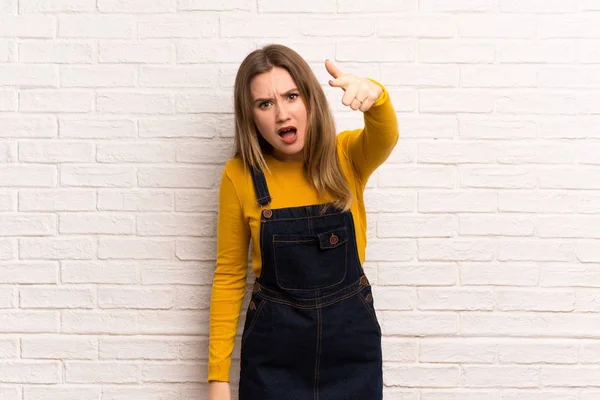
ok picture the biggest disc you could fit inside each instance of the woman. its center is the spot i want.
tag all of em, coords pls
(295, 189)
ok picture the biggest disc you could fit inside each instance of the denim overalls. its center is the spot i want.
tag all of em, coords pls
(311, 332)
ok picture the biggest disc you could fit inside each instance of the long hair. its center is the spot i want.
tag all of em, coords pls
(321, 165)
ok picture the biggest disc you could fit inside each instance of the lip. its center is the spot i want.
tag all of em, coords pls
(284, 128)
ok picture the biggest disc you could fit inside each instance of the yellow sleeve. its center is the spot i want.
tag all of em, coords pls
(233, 237)
(369, 147)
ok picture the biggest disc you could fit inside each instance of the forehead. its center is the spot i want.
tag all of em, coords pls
(270, 83)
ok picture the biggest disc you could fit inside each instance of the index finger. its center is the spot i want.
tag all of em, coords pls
(333, 69)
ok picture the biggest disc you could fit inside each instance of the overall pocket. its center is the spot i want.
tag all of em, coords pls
(308, 262)
(255, 306)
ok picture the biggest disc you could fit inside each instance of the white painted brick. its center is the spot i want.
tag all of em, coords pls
(455, 152)
(98, 272)
(537, 6)
(204, 26)
(27, 26)
(457, 351)
(538, 202)
(29, 372)
(538, 351)
(194, 392)
(462, 201)
(101, 372)
(464, 51)
(586, 50)
(205, 126)
(172, 322)
(568, 77)
(28, 126)
(399, 350)
(570, 275)
(5, 152)
(138, 249)
(539, 250)
(457, 300)
(383, 50)
(55, 101)
(453, 394)
(246, 26)
(586, 102)
(413, 324)
(420, 75)
(28, 322)
(96, 223)
(209, 5)
(189, 349)
(455, 101)
(8, 100)
(589, 353)
(8, 299)
(134, 103)
(570, 178)
(63, 392)
(55, 151)
(173, 373)
(203, 101)
(420, 25)
(416, 226)
(513, 300)
(8, 7)
(346, 26)
(538, 51)
(55, 347)
(422, 375)
(588, 252)
(499, 274)
(56, 6)
(165, 274)
(29, 225)
(28, 75)
(494, 25)
(568, 227)
(289, 6)
(201, 200)
(138, 348)
(56, 248)
(588, 203)
(378, 200)
(136, 200)
(28, 272)
(537, 153)
(97, 176)
(98, 322)
(95, 27)
(455, 250)
(136, 6)
(147, 51)
(201, 151)
(136, 298)
(28, 176)
(413, 177)
(56, 200)
(391, 250)
(501, 376)
(176, 225)
(571, 376)
(96, 128)
(97, 76)
(136, 152)
(7, 50)
(9, 348)
(458, 5)
(486, 76)
(180, 76)
(493, 128)
(492, 225)
(215, 51)
(589, 395)
(506, 177)
(197, 249)
(7, 199)
(569, 26)
(7, 249)
(146, 392)
(178, 177)
(193, 297)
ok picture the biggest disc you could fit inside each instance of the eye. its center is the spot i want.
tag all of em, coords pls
(294, 96)
(264, 104)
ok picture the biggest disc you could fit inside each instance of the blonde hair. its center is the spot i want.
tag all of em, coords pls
(321, 164)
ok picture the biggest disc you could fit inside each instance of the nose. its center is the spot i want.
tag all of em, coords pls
(282, 112)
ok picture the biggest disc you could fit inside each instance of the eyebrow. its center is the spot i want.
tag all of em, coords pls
(261, 100)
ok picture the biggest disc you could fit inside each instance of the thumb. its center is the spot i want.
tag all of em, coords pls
(333, 69)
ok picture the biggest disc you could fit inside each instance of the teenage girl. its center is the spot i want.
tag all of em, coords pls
(295, 191)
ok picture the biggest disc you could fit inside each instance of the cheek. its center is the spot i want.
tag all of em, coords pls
(262, 122)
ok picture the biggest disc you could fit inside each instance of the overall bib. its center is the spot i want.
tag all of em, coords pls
(311, 332)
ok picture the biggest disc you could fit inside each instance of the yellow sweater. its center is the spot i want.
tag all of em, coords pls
(360, 152)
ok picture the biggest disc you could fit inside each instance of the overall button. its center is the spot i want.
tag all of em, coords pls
(364, 281)
(256, 287)
(334, 239)
(369, 298)
(267, 213)
(252, 306)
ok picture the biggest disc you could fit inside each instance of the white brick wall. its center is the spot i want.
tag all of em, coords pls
(484, 246)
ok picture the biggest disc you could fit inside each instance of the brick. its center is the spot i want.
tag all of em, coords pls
(571, 26)
(96, 223)
(513, 300)
(134, 103)
(391, 250)
(569, 376)
(587, 203)
(193, 298)
(552, 6)
(416, 226)
(494, 128)
(455, 299)
(465, 51)
(8, 100)
(209, 5)
(136, 152)
(347, 26)
(570, 178)
(7, 199)
(7, 50)
(178, 177)
(540, 153)
(493, 225)
(537, 103)
(475, 351)
(172, 322)
(382, 50)
(570, 275)
(53, 347)
(136, 6)
(146, 392)
(205, 126)
(27, 225)
(455, 152)
(486, 76)
(97, 76)
(201, 151)
(494, 376)
(27, 322)
(62, 248)
(55, 151)
(98, 322)
(554, 51)
(56, 200)
(397, 323)
(197, 201)
(497, 177)
(180, 76)
(9, 348)
(97, 176)
(567, 226)
(28, 176)
(453, 101)
(173, 372)
(189, 349)
(99, 272)
(399, 350)
(499, 274)
(494, 26)
(586, 50)
(28, 75)
(290, 6)
(538, 351)
(197, 249)
(136, 200)
(137, 249)
(413, 177)
(434, 6)
(55, 101)
(214, 51)
(167, 274)
(56, 6)
(205, 101)
(7, 249)
(138, 348)
(97, 128)
(538, 250)
(455, 250)
(420, 25)
(176, 225)
(8, 299)
(420, 75)
(29, 372)
(429, 126)
(136, 298)
(178, 27)
(587, 252)
(456, 201)
(27, 27)
(63, 392)
(95, 27)
(101, 372)
(20, 272)
(147, 51)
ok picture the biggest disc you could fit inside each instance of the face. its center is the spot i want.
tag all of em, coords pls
(279, 113)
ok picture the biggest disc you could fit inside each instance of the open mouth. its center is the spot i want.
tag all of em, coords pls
(288, 134)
